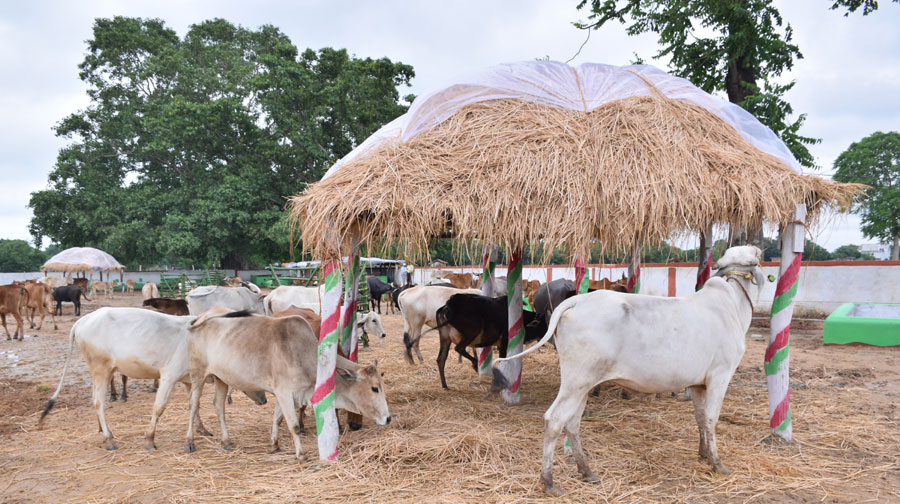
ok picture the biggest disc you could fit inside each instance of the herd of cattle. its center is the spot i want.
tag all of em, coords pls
(238, 338)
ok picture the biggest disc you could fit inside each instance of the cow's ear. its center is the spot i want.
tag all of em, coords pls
(346, 374)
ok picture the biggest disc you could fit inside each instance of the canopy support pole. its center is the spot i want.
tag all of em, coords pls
(512, 370)
(777, 362)
(705, 256)
(349, 335)
(488, 264)
(324, 395)
(634, 272)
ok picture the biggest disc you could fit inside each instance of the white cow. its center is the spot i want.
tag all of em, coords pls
(138, 343)
(204, 298)
(54, 282)
(653, 345)
(149, 291)
(286, 296)
(418, 306)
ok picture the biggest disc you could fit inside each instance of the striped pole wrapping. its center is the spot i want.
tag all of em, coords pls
(323, 397)
(489, 262)
(349, 336)
(634, 273)
(582, 279)
(777, 361)
(512, 370)
(705, 253)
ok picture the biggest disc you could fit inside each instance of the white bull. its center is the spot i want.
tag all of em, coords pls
(653, 345)
(418, 306)
(138, 343)
(286, 296)
(205, 298)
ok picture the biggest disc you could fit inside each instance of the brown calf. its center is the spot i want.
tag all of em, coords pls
(81, 282)
(461, 280)
(11, 299)
(166, 305)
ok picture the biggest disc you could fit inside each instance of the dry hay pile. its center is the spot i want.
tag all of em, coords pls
(454, 446)
(632, 172)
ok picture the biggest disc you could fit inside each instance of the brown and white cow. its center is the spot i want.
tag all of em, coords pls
(129, 286)
(354, 420)
(255, 353)
(138, 343)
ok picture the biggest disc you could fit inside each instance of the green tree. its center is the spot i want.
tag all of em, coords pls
(851, 252)
(814, 252)
(189, 146)
(17, 256)
(875, 162)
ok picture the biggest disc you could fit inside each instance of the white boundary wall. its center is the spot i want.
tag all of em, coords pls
(823, 285)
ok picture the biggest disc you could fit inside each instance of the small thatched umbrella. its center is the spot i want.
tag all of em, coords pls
(82, 260)
(545, 153)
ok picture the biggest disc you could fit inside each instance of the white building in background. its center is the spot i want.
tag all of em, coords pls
(879, 251)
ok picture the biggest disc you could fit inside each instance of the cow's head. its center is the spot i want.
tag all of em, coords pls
(741, 260)
(371, 324)
(361, 390)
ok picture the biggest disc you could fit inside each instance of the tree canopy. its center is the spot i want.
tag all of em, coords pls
(875, 161)
(17, 256)
(190, 145)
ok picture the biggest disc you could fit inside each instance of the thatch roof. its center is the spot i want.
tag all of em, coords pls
(82, 259)
(628, 172)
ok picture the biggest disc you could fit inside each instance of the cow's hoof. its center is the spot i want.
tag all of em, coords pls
(228, 445)
(228, 401)
(275, 449)
(553, 491)
(113, 399)
(150, 445)
(124, 399)
(111, 445)
(302, 458)
(626, 395)
(722, 469)
(189, 447)
(590, 478)
(354, 426)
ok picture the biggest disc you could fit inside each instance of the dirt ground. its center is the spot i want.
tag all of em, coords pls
(457, 446)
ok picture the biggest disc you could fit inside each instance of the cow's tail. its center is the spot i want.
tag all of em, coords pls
(62, 378)
(85, 295)
(551, 328)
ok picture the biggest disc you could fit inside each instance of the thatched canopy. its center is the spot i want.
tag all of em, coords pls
(82, 260)
(623, 155)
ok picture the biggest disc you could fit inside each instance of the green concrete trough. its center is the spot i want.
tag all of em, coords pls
(872, 324)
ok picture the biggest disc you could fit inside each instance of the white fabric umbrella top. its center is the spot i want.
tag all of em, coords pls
(82, 259)
(556, 84)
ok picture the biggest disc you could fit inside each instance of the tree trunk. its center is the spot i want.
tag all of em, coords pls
(895, 251)
(235, 261)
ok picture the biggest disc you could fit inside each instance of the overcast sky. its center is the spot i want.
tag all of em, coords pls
(847, 83)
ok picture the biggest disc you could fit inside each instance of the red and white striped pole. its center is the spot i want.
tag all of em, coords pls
(489, 263)
(777, 362)
(323, 397)
(349, 336)
(634, 272)
(512, 370)
(705, 254)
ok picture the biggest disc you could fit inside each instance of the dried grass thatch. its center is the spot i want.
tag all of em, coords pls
(632, 172)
